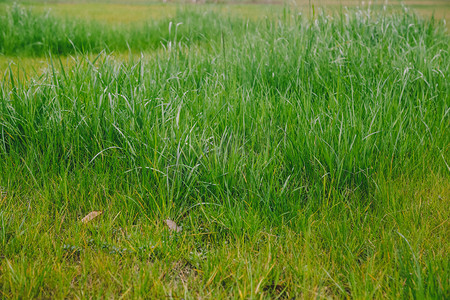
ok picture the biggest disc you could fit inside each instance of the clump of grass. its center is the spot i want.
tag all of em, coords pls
(302, 158)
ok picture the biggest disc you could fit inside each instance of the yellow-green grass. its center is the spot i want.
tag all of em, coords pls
(34, 67)
(127, 255)
(123, 13)
(303, 159)
(116, 12)
(110, 13)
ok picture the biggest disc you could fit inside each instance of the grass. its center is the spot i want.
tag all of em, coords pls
(25, 33)
(303, 157)
(120, 12)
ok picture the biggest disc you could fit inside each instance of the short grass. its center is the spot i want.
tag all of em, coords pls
(125, 12)
(302, 156)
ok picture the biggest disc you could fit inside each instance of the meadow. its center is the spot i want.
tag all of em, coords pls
(302, 149)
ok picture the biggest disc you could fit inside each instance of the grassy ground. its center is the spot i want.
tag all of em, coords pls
(120, 12)
(303, 157)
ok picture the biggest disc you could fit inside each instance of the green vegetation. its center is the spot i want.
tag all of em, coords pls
(302, 156)
(26, 33)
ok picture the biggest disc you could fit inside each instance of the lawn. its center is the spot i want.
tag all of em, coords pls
(302, 151)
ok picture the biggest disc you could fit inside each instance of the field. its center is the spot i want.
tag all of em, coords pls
(302, 149)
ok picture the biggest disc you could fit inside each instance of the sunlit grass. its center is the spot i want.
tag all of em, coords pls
(111, 13)
(303, 157)
(28, 67)
(116, 12)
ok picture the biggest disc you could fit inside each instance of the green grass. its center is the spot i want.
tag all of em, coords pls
(26, 33)
(303, 157)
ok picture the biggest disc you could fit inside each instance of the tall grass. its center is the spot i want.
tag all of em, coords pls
(291, 104)
(25, 33)
(261, 127)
